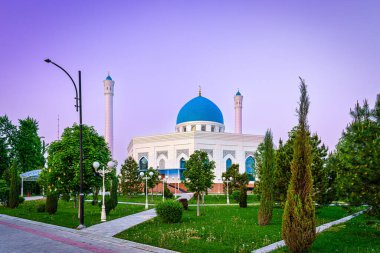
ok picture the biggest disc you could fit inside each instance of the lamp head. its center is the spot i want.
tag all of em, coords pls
(224, 179)
(110, 164)
(159, 177)
(47, 60)
(96, 165)
(151, 173)
(141, 174)
(167, 177)
(231, 178)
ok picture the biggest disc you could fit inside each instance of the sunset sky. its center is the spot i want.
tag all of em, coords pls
(159, 52)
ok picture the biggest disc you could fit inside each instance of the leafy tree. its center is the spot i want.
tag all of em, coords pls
(200, 174)
(153, 180)
(63, 172)
(358, 153)
(282, 171)
(130, 181)
(13, 189)
(242, 181)
(298, 226)
(7, 141)
(28, 146)
(233, 185)
(266, 180)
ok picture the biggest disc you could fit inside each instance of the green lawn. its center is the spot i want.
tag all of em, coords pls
(222, 199)
(359, 235)
(67, 215)
(218, 229)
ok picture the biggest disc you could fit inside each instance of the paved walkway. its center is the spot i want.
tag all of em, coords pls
(281, 244)
(26, 236)
(33, 198)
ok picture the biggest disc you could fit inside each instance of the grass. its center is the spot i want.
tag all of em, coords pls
(222, 199)
(67, 215)
(218, 229)
(359, 235)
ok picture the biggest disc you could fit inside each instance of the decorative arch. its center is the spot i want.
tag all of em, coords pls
(143, 163)
(182, 163)
(250, 168)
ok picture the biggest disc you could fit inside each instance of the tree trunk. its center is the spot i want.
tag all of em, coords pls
(198, 213)
(75, 201)
(78, 208)
(203, 198)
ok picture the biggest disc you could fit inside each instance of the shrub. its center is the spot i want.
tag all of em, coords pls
(65, 197)
(109, 204)
(243, 196)
(51, 203)
(235, 196)
(21, 199)
(4, 193)
(167, 193)
(41, 207)
(169, 211)
(184, 203)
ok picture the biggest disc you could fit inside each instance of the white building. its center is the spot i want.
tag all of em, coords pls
(200, 126)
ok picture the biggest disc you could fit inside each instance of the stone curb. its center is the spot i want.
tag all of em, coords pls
(319, 229)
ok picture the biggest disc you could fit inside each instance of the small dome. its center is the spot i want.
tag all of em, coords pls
(200, 109)
(109, 78)
(238, 93)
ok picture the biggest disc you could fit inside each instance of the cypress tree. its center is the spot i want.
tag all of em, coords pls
(266, 174)
(298, 222)
(13, 191)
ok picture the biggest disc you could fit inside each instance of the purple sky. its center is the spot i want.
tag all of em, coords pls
(158, 52)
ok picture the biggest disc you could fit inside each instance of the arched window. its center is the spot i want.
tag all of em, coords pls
(250, 168)
(182, 163)
(143, 164)
(228, 163)
(162, 164)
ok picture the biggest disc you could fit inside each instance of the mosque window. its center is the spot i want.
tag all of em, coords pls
(203, 127)
(212, 128)
(228, 164)
(250, 168)
(193, 128)
(182, 163)
(184, 129)
(143, 164)
(162, 164)
(220, 129)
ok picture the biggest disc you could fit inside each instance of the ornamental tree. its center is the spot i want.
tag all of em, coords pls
(130, 182)
(199, 174)
(266, 180)
(298, 222)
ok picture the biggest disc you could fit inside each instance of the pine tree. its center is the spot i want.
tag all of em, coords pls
(266, 180)
(130, 181)
(298, 223)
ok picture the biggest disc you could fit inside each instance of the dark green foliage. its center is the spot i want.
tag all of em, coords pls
(114, 185)
(266, 174)
(185, 203)
(130, 181)
(169, 211)
(65, 197)
(167, 193)
(200, 174)
(233, 172)
(357, 158)
(21, 200)
(41, 207)
(51, 203)
(109, 203)
(4, 193)
(282, 173)
(298, 226)
(153, 180)
(7, 141)
(13, 188)
(243, 197)
(28, 146)
(235, 196)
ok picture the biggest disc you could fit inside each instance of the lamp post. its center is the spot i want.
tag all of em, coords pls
(103, 172)
(227, 181)
(163, 186)
(146, 186)
(175, 188)
(78, 106)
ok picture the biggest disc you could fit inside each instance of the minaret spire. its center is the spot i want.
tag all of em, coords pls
(108, 94)
(238, 98)
(200, 91)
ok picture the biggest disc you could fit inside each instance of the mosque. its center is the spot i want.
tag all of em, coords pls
(199, 126)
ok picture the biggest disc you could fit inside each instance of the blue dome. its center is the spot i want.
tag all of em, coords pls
(109, 78)
(238, 93)
(200, 109)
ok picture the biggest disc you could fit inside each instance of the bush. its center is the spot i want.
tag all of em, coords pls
(235, 196)
(109, 204)
(21, 200)
(4, 193)
(169, 211)
(243, 197)
(51, 203)
(41, 207)
(184, 203)
(65, 197)
(167, 193)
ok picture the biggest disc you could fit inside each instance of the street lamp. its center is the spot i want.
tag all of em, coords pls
(146, 186)
(103, 172)
(227, 181)
(78, 105)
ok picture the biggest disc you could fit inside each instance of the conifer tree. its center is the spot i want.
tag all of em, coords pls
(266, 174)
(298, 223)
(130, 181)
(13, 191)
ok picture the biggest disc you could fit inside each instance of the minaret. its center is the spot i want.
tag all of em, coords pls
(108, 94)
(238, 112)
